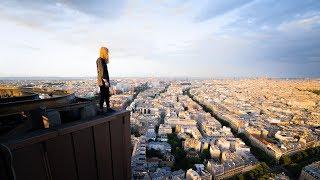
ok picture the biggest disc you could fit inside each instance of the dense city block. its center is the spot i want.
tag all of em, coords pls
(213, 129)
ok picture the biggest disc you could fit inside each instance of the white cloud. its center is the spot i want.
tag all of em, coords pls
(304, 24)
(154, 38)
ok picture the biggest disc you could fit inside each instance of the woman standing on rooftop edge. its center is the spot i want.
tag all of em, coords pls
(103, 79)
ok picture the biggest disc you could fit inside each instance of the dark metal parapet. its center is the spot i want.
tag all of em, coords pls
(93, 149)
(23, 110)
(28, 99)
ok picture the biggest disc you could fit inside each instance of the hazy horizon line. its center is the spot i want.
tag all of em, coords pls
(163, 77)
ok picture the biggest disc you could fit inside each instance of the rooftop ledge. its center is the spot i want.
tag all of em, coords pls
(98, 148)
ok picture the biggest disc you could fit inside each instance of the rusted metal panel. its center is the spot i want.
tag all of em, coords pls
(117, 145)
(4, 168)
(61, 157)
(31, 138)
(127, 144)
(75, 126)
(95, 149)
(103, 151)
(85, 154)
(29, 163)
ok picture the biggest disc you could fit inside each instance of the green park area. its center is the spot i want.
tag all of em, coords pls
(261, 171)
(295, 162)
(292, 163)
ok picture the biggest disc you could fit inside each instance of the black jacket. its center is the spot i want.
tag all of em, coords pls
(103, 73)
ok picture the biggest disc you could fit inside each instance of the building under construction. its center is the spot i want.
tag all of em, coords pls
(55, 135)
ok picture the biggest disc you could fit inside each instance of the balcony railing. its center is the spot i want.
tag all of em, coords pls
(95, 149)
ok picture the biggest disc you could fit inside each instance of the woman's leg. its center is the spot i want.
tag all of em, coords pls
(108, 98)
(102, 96)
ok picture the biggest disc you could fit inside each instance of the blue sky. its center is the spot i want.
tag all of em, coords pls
(210, 38)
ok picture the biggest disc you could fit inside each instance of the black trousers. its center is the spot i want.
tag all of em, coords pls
(104, 96)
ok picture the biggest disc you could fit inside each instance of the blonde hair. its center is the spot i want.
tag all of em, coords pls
(104, 53)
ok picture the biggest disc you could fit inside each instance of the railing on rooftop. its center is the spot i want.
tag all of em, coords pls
(99, 148)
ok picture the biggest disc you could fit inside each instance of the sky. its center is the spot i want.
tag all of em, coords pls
(166, 38)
